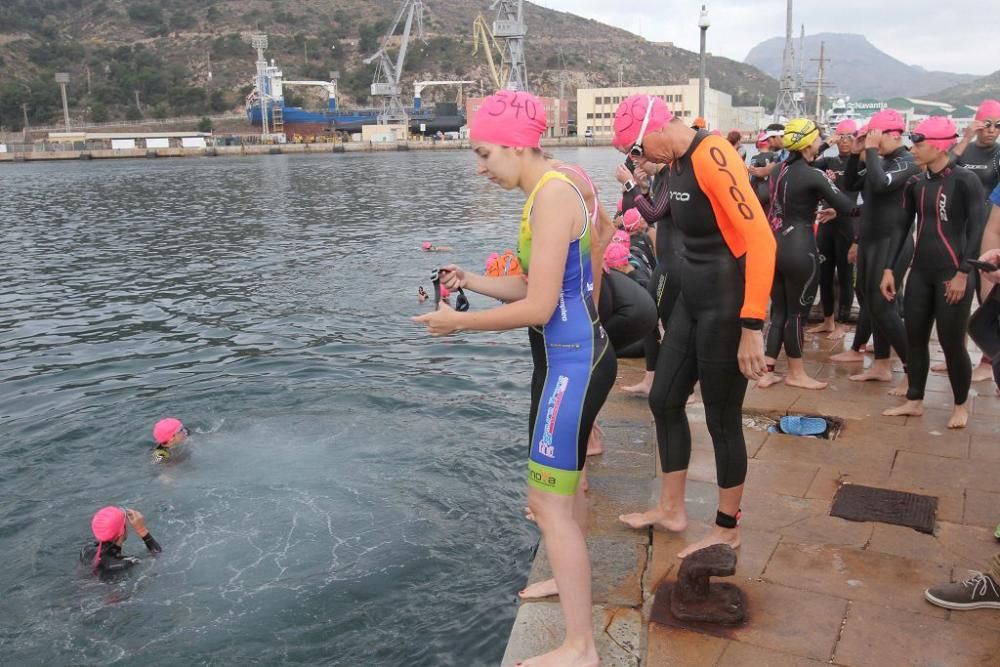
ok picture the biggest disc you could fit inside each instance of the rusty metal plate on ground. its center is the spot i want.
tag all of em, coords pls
(855, 502)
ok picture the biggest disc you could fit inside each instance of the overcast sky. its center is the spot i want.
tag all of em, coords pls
(951, 36)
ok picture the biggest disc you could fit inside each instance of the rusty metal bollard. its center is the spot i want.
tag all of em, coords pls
(693, 598)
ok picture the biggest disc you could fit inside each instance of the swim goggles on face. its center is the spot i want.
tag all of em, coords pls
(461, 301)
(636, 150)
(917, 137)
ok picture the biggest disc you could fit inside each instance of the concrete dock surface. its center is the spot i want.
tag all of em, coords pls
(820, 590)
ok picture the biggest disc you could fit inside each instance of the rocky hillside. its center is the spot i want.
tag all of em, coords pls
(856, 68)
(151, 58)
(973, 92)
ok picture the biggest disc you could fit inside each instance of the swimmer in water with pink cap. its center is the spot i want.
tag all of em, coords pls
(110, 528)
(168, 433)
(427, 246)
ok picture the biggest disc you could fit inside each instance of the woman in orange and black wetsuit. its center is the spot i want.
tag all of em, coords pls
(715, 331)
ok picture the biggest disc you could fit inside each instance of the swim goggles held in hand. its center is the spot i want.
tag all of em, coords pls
(461, 301)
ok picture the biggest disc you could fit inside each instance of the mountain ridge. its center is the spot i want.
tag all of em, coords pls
(144, 58)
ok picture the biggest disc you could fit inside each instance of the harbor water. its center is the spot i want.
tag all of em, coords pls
(353, 489)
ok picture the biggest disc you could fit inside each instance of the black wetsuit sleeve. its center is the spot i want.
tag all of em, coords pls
(834, 197)
(628, 198)
(151, 544)
(889, 179)
(910, 208)
(854, 176)
(654, 210)
(975, 223)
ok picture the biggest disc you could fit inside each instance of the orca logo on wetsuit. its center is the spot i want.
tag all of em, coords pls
(680, 196)
(719, 158)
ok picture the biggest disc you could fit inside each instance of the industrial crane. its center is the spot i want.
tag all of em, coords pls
(482, 35)
(419, 86)
(385, 85)
(509, 26)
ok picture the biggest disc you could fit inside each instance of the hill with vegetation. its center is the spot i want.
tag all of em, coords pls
(133, 59)
(973, 92)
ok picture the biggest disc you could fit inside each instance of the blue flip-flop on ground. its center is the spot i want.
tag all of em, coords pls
(797, 425)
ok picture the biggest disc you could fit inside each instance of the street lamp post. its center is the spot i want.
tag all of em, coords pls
(62, 78)
(703, 23)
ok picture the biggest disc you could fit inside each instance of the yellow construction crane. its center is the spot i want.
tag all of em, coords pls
(482, 34)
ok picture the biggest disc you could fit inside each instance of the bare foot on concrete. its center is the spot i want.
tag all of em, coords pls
(805, 382)
(595, 444)
(908, 409)
(564, 656)
(539, 589)
(719, 535)
(768, 380)
(959, 417)
(872, 376)
(826, 326)
(642, 387)
(671, 520)
(901, 388)
(982, 372)
(940, 367)
(847, 357)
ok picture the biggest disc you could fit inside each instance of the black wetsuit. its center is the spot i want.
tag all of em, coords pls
(796, 189)
(627, 313)
(984, 328)
(665, 283)
(759, 184)
(884, 228)
(834, 240)
(949, 210)
(983, 162)
(111, 559)
(726, 278)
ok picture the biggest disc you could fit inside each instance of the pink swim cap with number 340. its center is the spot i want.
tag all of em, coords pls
(508, 118)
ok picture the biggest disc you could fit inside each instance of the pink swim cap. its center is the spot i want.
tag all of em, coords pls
(846, 127)
(166, 429)
(988, 109)
(629, 116)
(616, 255)
(426, 245)
(631, 219)
(621, 236)
(762, 140)
(939, 132)
(863, 130)
(108, 524)
(887, 120)
(508, 118)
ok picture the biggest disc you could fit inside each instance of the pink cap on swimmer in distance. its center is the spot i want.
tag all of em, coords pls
(621, 236)
(426, 245)
(616, 255)
(166, 429)
(887, 120)
(846, 127)
(108, 524)
(631, 219)
(630, 114)
(988, 109)
(509, 118)
(938, 131)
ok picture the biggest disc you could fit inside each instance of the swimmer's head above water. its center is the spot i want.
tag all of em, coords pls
(168, 433)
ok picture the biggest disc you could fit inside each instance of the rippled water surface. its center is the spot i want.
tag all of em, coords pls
(353, 490)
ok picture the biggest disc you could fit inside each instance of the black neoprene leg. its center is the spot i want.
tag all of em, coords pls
(800, 290)
(676, 375)
(778, 316)
(845, 277)
(984, 328)
(886, 321)
(826, 243)
(952, 326)
(918, 307)
(657, 290)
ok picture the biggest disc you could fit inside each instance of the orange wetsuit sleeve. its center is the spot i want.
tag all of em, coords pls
(741, 220)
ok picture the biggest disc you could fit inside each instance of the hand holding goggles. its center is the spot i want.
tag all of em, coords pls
(636, 150)
(461, 301)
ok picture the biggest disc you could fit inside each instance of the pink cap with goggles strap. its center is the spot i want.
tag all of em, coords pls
(846, 127)
(631, 219)
(637, 116)
(616, 255)
(989, 109)
(887, 120)
(937, 131)
(511, 119)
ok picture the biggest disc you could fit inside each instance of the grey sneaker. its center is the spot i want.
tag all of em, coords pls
(979, 591)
